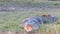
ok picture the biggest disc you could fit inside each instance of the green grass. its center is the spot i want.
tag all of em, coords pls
(12, 20)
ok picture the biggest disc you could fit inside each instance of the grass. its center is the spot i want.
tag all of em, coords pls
(12, 20)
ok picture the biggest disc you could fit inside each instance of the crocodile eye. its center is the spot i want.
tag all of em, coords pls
(25, 21)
